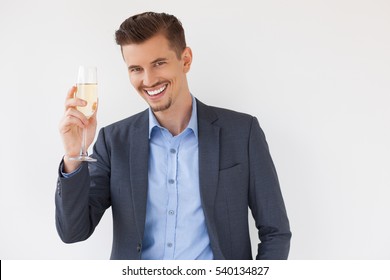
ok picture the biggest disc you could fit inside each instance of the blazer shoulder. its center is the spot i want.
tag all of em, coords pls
(137, 120)
(225, 117)
(228, 113)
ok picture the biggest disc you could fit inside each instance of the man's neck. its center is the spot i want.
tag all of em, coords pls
(177, 117)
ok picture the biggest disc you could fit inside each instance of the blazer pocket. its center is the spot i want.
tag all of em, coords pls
(229, 167)
(233, 183)
(230, 177)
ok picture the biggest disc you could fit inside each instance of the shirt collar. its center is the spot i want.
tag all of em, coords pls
(192, 124)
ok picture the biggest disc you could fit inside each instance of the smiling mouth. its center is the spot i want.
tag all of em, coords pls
(157, 91)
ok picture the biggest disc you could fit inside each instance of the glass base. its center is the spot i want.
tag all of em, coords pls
(83, 158)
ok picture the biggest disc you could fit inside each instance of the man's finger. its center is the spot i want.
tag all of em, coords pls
(74, 102)
(71, 92)
(71, 112)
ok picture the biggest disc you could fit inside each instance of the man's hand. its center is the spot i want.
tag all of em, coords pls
(71, 129)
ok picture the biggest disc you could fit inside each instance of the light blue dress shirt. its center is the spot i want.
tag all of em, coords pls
(175, 226)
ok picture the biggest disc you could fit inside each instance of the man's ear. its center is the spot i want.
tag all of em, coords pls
(186, 57)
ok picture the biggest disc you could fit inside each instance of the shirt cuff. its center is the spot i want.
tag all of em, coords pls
(68, 175)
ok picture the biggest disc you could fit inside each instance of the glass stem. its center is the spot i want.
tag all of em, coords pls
(84, 143)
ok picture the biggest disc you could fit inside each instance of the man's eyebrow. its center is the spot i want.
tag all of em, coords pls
(133, 66)
(159, 59)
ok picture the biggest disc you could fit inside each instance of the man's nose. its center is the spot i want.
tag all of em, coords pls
(149, 79)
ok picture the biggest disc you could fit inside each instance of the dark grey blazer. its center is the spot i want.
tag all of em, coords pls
(235, 171)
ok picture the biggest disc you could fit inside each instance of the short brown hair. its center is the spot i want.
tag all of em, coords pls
(141, 27)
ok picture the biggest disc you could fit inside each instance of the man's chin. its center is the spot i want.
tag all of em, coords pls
(163, 107)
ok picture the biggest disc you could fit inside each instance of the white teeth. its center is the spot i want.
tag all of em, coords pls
(157, 91)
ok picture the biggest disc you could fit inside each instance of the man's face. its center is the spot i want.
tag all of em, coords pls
(156, 72)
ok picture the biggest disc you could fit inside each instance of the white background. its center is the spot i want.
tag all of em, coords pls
(315, 73)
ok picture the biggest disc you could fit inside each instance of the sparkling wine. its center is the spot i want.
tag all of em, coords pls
(87, 92)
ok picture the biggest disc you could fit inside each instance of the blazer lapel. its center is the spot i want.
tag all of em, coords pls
(208, 135)
(139, 158)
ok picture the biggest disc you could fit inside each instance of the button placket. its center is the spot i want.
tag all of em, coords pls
(172, 199)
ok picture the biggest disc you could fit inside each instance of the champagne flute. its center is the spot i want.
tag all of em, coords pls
(86, 90)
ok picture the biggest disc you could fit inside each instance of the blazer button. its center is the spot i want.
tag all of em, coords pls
(59, 188)
(139, 247)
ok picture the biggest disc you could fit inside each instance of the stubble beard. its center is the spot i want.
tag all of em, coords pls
(162, 107)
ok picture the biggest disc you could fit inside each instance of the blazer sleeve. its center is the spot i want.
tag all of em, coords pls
(82, 199)
(265, 199)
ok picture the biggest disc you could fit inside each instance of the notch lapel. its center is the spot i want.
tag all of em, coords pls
(208, 135)
(139, 158)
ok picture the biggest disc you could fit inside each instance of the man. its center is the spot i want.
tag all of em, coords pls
(180, 175)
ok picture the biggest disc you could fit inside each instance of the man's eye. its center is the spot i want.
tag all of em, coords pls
(135, 69)
(159, 63)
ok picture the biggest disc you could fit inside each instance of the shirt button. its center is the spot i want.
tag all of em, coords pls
(171, 181)
(171, 212)
(169, 244)
(173, 151)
